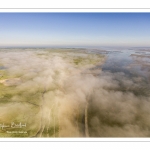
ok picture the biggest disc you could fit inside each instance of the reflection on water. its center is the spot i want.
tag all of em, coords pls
(117, 62)
(131, 64)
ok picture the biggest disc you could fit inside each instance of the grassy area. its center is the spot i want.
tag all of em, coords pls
(26, 104)
(88, 60)
(79, 58)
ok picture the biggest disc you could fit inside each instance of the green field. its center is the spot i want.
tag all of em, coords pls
(34, 91)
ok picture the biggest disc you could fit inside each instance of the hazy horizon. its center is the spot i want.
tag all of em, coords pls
(71, 47)
(74, 29)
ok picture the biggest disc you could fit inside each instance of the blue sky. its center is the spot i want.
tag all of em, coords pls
(75, 29)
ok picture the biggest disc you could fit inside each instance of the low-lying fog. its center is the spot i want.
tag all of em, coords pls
(75, 93)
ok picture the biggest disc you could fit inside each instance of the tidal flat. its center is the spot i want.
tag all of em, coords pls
(74, 93)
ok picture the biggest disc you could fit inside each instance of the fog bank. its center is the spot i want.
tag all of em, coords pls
(63, 94)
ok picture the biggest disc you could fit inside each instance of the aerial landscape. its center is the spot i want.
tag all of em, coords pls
(74, 75)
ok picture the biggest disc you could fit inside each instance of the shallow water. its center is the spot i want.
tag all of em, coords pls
(132, 62)
(125, 65)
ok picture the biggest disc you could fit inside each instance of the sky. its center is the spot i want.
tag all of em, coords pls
(74, 29)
